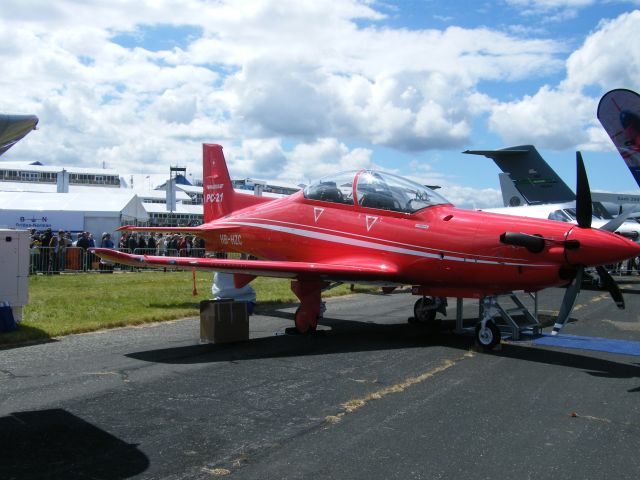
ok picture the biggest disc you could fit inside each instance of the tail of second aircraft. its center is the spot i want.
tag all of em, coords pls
(219, 197)
(534, 179)
(619, 114)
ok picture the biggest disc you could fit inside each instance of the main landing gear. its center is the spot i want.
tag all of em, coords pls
(307, 314)
(425, 310)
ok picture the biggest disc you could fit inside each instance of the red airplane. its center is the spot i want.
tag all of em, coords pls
(373, 227)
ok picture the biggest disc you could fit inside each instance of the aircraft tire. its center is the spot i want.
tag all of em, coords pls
(489, 338)
(301, 326)
(421, 314)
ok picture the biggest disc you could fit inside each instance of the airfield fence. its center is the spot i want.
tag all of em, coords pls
(45, 260)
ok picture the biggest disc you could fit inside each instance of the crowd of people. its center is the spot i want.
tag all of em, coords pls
(52, 253)
(165, 245)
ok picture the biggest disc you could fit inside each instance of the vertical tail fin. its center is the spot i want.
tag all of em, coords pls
(511, 197)
(219, 197)
(216, 183)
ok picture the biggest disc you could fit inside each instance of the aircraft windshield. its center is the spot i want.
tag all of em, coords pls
(335, 188)
(374, 190)
(390, 192)
(598, 212)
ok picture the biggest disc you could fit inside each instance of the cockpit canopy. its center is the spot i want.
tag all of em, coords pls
(374, 190)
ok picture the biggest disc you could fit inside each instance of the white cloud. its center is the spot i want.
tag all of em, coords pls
(551, 10)
(472, 198)
(608, 57)
(564, 116)
(551, 118)
(304, 71)
(309, 161)
(258, 75)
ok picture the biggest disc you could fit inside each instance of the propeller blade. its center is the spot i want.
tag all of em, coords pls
(584, 208)
(612, 287)
(568, 301)
(613, 225)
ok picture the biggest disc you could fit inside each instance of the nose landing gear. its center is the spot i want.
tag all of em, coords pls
(487, 333)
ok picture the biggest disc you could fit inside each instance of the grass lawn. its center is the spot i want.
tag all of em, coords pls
(75, 303)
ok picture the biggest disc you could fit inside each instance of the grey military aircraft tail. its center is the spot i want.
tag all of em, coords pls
(533, 178)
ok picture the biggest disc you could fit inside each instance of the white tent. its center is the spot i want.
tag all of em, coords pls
(98, 211)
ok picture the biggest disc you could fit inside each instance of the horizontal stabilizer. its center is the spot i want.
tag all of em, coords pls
(188, 230)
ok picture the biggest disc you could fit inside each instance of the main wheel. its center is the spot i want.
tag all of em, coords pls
(302, 323)
(487, 337)
(422, 312)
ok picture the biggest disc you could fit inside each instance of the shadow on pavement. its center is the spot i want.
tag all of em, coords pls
(353, 336)
(57, 444)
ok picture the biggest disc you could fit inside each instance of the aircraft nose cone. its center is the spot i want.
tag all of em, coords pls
(598, 247)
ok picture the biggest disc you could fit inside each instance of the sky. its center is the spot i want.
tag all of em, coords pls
(295, 90)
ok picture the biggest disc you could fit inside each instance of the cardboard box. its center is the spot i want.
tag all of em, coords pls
(223, 321)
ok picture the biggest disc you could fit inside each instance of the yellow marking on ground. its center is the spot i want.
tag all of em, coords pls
(595, 419)
(595, 299)
(238, 461)
(357, 403)
(627, 327)
(218, 472)
(364, 380)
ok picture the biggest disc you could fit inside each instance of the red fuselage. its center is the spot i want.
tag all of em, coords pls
(444, 250)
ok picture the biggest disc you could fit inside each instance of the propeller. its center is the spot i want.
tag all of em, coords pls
(614, 224)
(568, 301)
(584, 206)
(584, 214)
(612, 287)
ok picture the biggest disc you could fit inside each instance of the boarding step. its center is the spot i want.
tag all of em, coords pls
(515, 310)
(515, 325)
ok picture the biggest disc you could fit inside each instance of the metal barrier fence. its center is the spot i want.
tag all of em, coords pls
(69, 259)
(49, 260)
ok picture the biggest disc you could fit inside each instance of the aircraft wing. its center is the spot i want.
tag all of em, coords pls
(191, 230)
(360, 270)
(13, 128)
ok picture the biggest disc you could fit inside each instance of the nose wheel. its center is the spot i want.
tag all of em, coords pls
(487, 336)
(487, 333)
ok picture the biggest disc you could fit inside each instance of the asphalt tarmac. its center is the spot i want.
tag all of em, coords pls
(369, 397)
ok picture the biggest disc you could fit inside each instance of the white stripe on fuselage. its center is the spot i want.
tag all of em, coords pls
(342, 239)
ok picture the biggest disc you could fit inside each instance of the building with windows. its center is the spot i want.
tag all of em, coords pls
(47, 189)
(38, 173)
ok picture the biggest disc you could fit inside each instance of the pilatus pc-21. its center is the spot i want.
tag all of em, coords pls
(372, 227)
